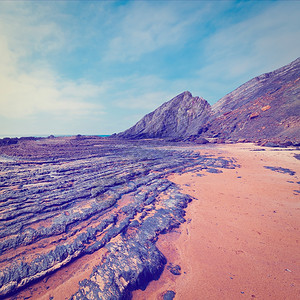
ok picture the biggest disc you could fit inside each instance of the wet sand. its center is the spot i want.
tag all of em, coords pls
(241, 238)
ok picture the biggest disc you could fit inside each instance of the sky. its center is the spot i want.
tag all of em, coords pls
(97, 67)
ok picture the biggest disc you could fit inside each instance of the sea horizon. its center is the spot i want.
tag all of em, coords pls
(2, 136)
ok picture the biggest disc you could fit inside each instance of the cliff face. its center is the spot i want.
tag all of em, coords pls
(265, 107)
(182, 116)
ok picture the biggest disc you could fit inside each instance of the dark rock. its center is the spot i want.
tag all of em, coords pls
(63, 198)
(271, 144)
(169, 295)
(297, 156)
(201, 141)
(174, 269)
(286, 144)
(130, 265)
(281, 170)
(213, 170)
(8, 141)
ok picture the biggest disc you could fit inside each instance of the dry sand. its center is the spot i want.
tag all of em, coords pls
(241, 239)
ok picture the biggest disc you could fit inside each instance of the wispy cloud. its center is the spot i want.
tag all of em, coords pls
(258, 44)
(24, 95)
(29, 85)
(146, 27)
(29, 32)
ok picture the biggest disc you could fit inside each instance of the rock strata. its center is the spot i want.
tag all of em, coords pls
(266, 107)
(180, 117)
(65, 198)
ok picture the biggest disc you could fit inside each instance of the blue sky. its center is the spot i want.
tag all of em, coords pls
(97, 67)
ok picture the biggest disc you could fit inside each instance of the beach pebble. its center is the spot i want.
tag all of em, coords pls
(174, 269)
(169, 295)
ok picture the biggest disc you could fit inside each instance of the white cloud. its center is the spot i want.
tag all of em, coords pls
(28, 86)
(145, 28)
(24, 95)
(30, 32)
(268, 40)
(256, 45)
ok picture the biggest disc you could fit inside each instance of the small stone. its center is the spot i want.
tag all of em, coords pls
(174, 269)
(213, 170)
(169, 295)
(201, 141)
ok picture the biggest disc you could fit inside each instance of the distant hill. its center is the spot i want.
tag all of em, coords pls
(266, 107)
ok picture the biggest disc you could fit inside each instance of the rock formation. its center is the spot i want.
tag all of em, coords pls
(180, 117)
(64, 198)
(265, 108)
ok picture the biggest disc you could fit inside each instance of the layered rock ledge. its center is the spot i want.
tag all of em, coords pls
(65, 198)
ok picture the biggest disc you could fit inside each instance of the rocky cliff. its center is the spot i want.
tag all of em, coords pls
(182, 116)
(266, 107)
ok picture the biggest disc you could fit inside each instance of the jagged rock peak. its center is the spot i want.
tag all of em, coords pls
(172, 119)
(186, 94)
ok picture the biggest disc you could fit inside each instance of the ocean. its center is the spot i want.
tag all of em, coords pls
(44, 136)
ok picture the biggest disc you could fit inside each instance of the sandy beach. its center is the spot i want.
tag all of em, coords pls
(241, 238)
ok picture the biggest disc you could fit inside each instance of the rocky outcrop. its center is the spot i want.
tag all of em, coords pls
(8, 141)
(65, 198)
(180, 117)
(266, 107)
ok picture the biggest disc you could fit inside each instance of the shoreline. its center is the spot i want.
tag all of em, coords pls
(241, 237)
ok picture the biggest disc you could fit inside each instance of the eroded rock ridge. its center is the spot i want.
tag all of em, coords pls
(64, 198)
